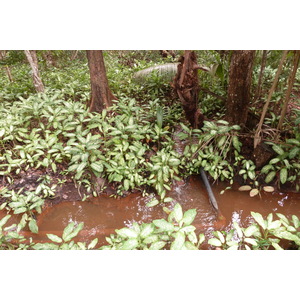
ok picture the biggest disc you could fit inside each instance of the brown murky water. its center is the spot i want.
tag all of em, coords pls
(102, 215)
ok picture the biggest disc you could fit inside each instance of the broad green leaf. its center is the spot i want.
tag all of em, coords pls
(291, 229)
(179, 241)
(157, 245)
(45, 246)
(2, 132)
(129, 244)
(238, 229)
(288, 236)
(73, 234)
(294, 152)
(20, 210)
(276, 246)
(201, 238)
(163, 225)
(192, 237)
(220, 236)
(190, 246)
(68, 230)
(266, 169)
(117, 177)
(274, 225)
(81, 167)
(259, 219)
(33, 226)
(152, 203)
(187, 229)
(98, 167)
(54, 238)
(189, 216)
(150, 239)
(270, 176)
(236, 143)
(295, 220)
(249, 231)
(268, 189)
(147, 230)
(293, 141)
(127, 233)
(4, 220)
(283, 175)
(278, 149)
(168, 199)
(92, 244)
(233, 247)
(178, 214)
(174, 162)
(245, 188)
(126, 184)
(269, 218)
(221, 141)
(254, 192)
(274, 161)
(283, 218)
(250, 241)
(215, 242)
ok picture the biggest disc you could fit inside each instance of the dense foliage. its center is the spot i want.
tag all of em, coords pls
(142, 142)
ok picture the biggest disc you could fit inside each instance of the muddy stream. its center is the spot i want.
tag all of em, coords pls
(102, 215)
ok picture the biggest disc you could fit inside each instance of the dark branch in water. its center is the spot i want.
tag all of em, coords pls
(211, 195)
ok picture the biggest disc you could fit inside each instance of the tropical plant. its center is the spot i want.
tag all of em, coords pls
(176, 233)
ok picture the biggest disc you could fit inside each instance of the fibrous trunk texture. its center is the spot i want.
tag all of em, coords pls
(187, 87)
(37, 81)
(238, 94)
(101, 96)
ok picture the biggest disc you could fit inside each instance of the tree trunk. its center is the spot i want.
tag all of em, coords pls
(50, 60)
(262, 68)
(288, 93)
(74, 54)
(101, 96)
(238, 93)
(7, 69)
(187, 87)
(257, 136)
(37, 81)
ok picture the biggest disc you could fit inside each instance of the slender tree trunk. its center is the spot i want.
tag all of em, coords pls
(7, 69)
(288, 93)
(240, 78)
(257, 136)
(262, 68)
(187, 87)
(50, 60)
(74, 54)
(101, 96)
(37, 81)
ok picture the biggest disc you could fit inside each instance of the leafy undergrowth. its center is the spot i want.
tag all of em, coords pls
(141, 143)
